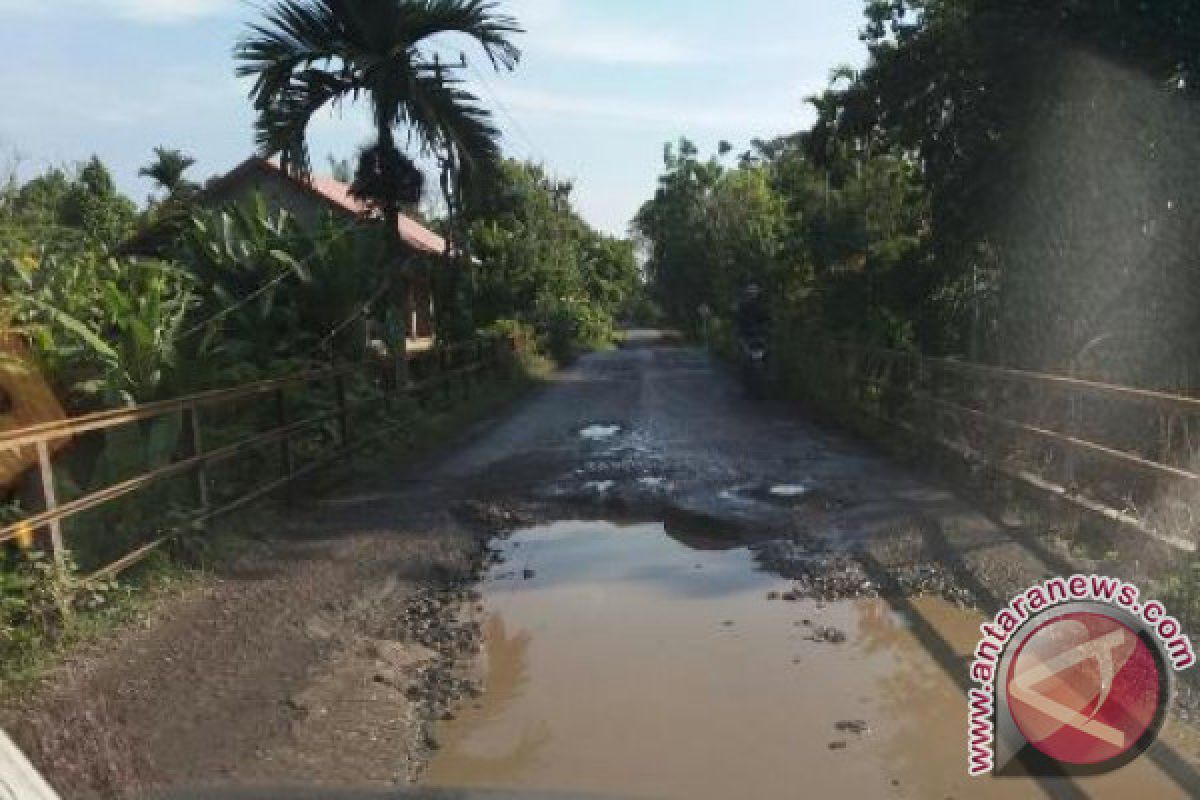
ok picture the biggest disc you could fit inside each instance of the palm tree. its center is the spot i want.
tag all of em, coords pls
(312, 54)
(167, 169)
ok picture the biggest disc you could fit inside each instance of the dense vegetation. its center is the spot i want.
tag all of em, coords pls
(540, 264)
(1004, 181)
(236, 294)
(246, 292)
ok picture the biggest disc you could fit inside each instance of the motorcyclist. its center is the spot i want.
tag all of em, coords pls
(752, 319)
(753, 328)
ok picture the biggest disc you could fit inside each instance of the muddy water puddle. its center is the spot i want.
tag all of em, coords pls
(622, 662)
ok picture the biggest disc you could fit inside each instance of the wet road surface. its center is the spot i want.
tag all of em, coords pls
(633, 649)
(661, 542)
(630, 664)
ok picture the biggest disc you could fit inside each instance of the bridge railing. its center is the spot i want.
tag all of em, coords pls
(1122, 454)
(193, 459)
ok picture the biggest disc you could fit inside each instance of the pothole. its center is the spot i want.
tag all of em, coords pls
(625, 626)
(598, 432)
(787, 495)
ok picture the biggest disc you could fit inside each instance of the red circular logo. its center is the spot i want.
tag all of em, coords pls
(1084, 688)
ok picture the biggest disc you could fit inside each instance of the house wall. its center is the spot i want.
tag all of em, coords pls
(282, 194)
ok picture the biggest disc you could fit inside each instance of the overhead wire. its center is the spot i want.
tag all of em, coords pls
(499, 102)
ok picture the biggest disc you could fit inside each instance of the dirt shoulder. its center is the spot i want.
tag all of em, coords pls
(318, 655)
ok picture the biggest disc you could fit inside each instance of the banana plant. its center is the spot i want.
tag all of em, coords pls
(105, 330)
(248, 262)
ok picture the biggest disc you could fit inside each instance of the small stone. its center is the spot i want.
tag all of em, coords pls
(838, 745)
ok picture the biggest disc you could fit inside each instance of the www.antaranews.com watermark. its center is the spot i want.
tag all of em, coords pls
(1076, 671)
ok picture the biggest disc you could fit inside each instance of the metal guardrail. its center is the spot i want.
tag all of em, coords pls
(446, 367)
(1066, 438)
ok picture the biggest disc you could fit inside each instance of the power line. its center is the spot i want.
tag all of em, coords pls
(495, 96)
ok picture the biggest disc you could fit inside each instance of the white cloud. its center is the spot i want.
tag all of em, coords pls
(151, 12)
(767, 112)
(166, 10)
(558, 29)
(67, 99)
(567, 31)
(614, 46)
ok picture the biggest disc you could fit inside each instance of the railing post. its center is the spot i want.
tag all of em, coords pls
(50, 502)
(196, 445)
(343, 409)
(287, 461)
(444, 375)
(418, 389)
(916, 379)
(499, 367)
(469, 374)
(401, 375)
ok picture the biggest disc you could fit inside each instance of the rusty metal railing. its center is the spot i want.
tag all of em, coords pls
(1123, 454)
(447, 371)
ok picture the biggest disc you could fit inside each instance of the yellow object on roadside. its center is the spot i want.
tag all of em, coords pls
(24, 536)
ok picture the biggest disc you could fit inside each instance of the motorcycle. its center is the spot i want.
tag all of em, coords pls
(754, 356)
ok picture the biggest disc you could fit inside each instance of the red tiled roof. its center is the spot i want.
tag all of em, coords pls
(414, 234)
(337, 194)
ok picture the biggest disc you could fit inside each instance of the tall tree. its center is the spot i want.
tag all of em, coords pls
(167, 170)
(311, 54)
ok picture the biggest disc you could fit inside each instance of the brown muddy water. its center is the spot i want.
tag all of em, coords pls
(622, 662)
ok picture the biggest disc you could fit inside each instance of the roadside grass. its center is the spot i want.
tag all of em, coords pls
(31, 651)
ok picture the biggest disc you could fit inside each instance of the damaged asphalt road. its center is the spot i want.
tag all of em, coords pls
(663, 434)
(329, 652)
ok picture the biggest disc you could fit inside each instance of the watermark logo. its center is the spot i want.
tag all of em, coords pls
(1074, 674)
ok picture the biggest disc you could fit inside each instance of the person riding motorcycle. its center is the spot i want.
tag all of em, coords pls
(752, 318)
(753, 332)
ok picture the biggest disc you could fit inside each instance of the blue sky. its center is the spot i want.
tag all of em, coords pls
(603, 84)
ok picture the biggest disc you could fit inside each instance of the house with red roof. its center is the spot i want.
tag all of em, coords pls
(308, 201)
